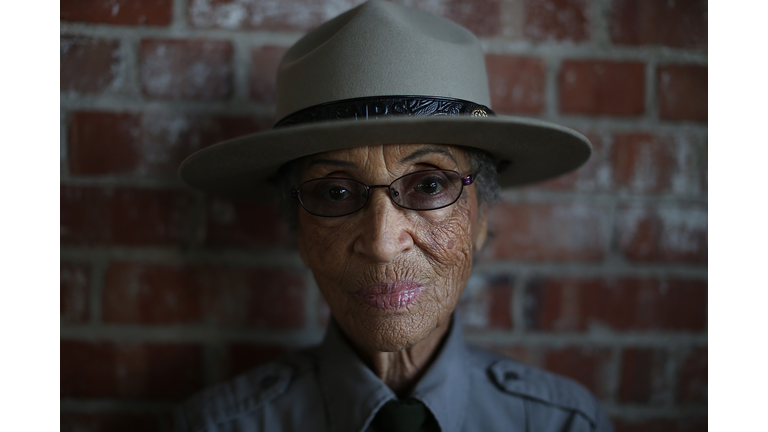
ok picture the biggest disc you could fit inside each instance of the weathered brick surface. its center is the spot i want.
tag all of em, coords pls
(276, 15)
(124, 216)
(682, 92)
(89, 66)
(692, 378)
(240, 224)
(186, 69)
(481, 17)
(129, 370)
(74, 294)
(595, 175)
(588, 366)
(118, 12)
(147, 144)
(264, 62)
(680, 23)
(111, 422)
(571, 304)
(565, 20)
(516, 83)
(551, 232)
(651, 164)
(103, 142)
(597, 87)
(228, 297)
(668, 233)
(486, 303)
(643, 378)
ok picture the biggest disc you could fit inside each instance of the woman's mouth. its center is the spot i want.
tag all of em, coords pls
(390, 296)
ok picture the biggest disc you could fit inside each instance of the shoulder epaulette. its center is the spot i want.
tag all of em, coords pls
(533, 383)
(242, 394)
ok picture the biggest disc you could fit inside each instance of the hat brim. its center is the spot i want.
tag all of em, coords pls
(238, 168)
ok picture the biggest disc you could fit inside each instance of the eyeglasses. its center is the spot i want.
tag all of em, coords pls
(422, 190)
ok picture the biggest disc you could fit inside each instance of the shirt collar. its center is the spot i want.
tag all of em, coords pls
(353, 393)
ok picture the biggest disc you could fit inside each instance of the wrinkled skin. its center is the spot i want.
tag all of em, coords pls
(383, 243)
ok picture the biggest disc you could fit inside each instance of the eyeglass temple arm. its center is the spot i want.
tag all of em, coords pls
(466, 181)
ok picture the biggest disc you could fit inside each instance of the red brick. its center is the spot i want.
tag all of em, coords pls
(647, 163)
(88, 66)
(692, 424)
(669, 233)
(593, 87)
(186, 69)
(271, 299)
(150, 295)
(593, 176)
(229, 297)
(682, 92)
(119, 12)
(516, 83)
(244, 357)
(129, 370)
(536, 232)
(264, 62)
(692, 377)
(563, 20)
(280, 15)
(589, 366)
(242, 224)
(487, 303)
(681, 23)
(75, 287)
(567, 304)
(103, 142)
(481, 17)
(101, 216)
(148, 144)
(643, 378)
(110, 422)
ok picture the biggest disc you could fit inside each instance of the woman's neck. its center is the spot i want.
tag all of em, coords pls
(401, 370)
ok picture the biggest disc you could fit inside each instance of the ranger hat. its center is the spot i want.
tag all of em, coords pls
(383, 73)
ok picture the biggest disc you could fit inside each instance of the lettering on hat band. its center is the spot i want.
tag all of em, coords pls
(368, 108)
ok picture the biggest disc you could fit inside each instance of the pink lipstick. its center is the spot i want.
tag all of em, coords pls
(390, 296)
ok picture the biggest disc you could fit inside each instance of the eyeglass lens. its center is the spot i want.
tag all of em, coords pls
(423, 190)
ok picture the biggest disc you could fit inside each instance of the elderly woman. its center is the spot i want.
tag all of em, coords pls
(386, 159)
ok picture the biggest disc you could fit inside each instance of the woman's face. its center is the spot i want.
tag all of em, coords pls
(391, 275)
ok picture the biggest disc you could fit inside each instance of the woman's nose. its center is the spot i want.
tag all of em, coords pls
(384, 233)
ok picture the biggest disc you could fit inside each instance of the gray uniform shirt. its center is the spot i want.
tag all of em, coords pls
(328, 388)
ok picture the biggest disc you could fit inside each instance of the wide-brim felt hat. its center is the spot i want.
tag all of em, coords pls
(383, 73)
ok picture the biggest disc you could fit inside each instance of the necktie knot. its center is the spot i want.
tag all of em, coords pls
(401, 416)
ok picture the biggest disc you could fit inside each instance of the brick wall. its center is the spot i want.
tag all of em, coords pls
(600, 275)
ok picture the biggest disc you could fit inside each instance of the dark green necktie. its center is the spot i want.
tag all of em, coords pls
(401, 416)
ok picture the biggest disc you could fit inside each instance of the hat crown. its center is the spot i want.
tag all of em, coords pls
(382, 49)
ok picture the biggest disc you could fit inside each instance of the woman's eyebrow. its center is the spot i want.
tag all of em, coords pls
(428, 150)
(337, 162)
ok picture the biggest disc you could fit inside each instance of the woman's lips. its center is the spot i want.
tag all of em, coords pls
(390, 296)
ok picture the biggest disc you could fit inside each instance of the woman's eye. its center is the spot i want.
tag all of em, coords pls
(429, 186)
(336, 193)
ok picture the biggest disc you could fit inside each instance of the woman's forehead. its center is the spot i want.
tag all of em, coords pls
(390, 154)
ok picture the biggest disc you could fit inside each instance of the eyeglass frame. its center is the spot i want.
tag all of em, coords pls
(465, 181)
